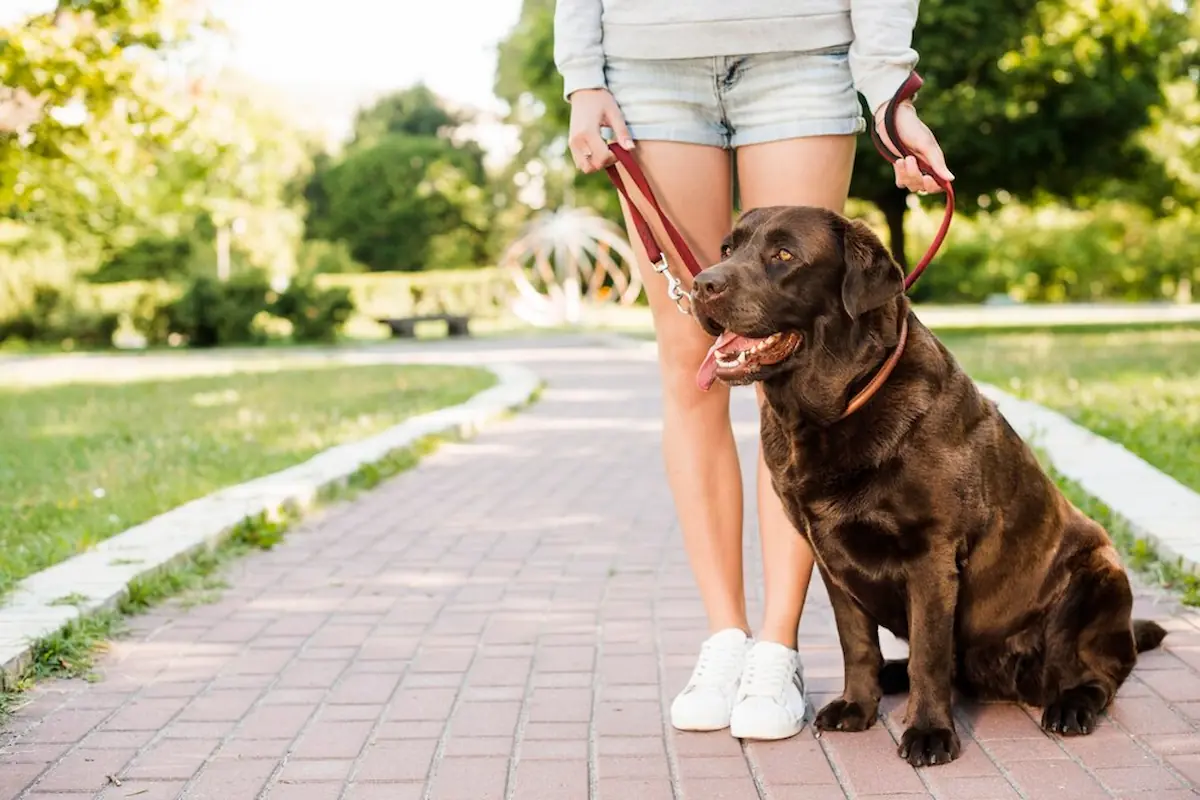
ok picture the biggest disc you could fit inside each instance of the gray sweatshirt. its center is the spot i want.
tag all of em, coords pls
(879, 33)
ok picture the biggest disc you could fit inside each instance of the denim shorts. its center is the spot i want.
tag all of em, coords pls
(731, 101)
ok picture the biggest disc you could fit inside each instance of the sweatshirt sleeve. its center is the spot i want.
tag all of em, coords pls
(881, 55)
(577, 50)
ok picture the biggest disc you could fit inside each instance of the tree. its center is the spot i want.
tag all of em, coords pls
(392, 201)
(407, 194)
(415, 111)
(1034, 97)
(528, 81)
(87, 61)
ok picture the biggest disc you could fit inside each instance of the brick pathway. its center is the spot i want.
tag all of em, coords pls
(509, 621)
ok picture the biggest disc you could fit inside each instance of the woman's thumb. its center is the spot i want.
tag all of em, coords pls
(616, 121)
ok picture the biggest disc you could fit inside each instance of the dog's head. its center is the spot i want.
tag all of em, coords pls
(790, 277)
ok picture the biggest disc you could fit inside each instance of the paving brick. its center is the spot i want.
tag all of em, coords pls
(396, 761)
(555, 780)
(305, 770)
(1053, 780)
(477, 778)
(84, 770)
(323, 790)
(333, 739)
(224, 779)
(650, 789)
(17, 776)
(172, 759)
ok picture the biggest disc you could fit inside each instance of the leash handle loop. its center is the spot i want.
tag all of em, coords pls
(907, 91)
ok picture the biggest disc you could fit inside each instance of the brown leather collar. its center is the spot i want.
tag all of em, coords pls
(859, 400)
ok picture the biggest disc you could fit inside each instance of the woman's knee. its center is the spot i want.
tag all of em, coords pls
(678, 366)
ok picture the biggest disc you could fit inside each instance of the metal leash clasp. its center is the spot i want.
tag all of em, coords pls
(675, 289)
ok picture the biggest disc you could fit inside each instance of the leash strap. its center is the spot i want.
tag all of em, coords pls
(653, 249)
(907, 91)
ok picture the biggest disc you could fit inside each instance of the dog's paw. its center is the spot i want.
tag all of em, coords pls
(1069, 716)
(925, 747)
(846, 715)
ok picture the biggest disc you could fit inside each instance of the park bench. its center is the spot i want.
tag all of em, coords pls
(406, 327)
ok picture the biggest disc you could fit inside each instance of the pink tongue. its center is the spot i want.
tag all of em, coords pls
(707, 375)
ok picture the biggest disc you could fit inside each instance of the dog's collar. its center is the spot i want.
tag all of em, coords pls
(859, 400)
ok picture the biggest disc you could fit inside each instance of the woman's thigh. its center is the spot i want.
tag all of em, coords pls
(795, 119)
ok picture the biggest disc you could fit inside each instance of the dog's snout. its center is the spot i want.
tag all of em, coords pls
(710, 284)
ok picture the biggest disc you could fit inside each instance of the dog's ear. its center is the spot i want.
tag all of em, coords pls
(872, 277)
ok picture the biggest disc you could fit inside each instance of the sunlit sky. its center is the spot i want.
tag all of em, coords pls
(373, 45)
(341, 53)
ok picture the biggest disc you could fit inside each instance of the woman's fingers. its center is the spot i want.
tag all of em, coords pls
(921, 142)
(588, 150)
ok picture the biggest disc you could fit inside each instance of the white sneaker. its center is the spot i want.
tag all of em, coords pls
(770, 700)
(707, 700)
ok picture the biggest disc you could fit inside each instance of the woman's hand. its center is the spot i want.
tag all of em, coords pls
(592, 109)
(921, 142)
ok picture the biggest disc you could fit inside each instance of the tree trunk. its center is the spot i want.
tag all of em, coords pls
(893, 205)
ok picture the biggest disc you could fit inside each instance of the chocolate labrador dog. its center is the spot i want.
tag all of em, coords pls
(927, 513)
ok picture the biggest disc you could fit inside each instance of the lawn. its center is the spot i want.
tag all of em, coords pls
(81, 463)
(1140, 388)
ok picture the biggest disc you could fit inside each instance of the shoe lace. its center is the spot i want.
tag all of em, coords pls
(715, 666)
(766, 677)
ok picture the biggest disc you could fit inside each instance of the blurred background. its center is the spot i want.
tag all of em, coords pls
(203, 172)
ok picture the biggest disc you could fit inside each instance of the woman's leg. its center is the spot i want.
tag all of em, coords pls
(812, 171)
(804, 171)
(693, 184)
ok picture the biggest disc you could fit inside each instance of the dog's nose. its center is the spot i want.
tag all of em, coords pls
(709, 284)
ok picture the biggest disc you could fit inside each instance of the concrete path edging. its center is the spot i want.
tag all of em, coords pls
(97, 579)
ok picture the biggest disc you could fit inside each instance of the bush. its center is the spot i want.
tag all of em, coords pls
(1115, 251)
(211, 313)
(152, 258)
(479, 292)
(53, 316)
(316, 314)
(319, 257)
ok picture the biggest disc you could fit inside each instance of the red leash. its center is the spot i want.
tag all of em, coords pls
(658, 256)
(907, 91)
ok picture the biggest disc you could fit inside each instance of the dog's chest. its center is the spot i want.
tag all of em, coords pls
(858, 546)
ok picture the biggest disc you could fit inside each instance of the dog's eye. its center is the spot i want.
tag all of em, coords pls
(783, 255)
(725, 251)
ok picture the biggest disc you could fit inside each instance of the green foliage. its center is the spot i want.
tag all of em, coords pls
(415, 111)
(320, 257)
(1035, 97)
(316, 314)
(151, 258)
(53, 316)
(391, 201)
(528, 81)
(476, 293)
(1114, 251)
(212, 313)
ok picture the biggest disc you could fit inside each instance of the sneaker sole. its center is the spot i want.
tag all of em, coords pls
(765, 734)
(699, 727)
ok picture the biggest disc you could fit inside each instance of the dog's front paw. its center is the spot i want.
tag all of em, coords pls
(1069, 716)
(926, 746)
(847, 715)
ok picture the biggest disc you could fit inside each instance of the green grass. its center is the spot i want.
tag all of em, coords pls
(1140, 388)
(81, 463)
